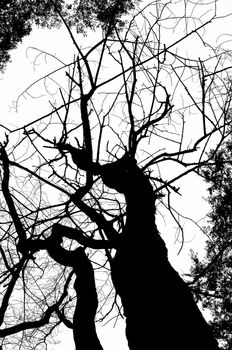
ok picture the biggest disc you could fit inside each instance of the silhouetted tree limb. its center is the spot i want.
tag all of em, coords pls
(10, 288)
(5, 190)
(59, 231)
(78, 236)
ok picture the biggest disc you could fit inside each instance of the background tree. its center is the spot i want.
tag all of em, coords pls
(212, 276)
(81, 186)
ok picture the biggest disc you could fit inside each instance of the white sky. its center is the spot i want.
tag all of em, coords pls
(22, 72)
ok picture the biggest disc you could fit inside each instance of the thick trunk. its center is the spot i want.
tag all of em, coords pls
(159, 308)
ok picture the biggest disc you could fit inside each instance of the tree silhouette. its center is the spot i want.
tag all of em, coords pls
(82, 185)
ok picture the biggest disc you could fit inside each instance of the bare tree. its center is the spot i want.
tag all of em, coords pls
(81, 185)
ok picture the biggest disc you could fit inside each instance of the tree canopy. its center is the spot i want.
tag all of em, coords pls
(19, 16)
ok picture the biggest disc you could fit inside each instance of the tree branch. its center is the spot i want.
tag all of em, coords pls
(78, 235)
(37, 323)
(10, 203)
(99, 219)
(10, 288)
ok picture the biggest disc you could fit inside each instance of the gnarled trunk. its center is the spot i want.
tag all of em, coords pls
(159, 308)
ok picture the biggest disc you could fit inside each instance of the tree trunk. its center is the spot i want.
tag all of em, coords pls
(159, 308)
(158, 305)
(84, 331)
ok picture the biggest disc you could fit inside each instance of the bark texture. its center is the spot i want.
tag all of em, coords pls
(159, 308)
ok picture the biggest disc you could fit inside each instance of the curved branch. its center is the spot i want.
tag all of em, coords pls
(99, 219)
(78, 235)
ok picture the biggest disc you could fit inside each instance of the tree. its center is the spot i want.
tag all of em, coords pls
(212, 276)
(82, 184)
(19, 17)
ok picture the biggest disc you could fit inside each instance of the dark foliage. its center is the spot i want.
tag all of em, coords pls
(89, 14)
(213, 281)
(17, 18)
